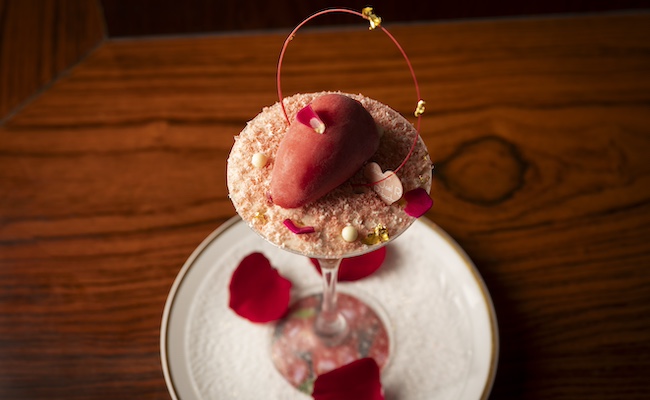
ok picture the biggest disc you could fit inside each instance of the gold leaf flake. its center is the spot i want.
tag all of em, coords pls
(378, 235)
(419, 109)
(260, 217)
(374, 20)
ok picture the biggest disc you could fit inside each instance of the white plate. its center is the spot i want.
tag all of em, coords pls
(440, 313)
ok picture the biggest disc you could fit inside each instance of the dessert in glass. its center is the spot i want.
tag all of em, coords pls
(330, 176)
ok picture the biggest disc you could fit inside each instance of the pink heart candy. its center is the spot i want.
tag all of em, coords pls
(388, 185)
(312, 160)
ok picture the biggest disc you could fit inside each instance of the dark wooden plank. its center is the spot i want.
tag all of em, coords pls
(539, 129)
(41, 39)
(165, 17)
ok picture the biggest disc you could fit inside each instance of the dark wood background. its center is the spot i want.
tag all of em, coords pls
(155, 17)
(41, 39)
(112, 170)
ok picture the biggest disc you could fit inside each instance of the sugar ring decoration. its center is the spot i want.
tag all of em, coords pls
(375, 22)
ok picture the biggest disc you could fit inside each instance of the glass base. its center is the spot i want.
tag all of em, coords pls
(300, 355)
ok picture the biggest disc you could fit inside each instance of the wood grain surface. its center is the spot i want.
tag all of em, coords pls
(128, 18)
(539, 130)
(41, 39)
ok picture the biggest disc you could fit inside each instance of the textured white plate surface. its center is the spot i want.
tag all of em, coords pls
(443, 324)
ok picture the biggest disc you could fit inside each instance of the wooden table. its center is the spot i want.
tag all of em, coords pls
(539, 129)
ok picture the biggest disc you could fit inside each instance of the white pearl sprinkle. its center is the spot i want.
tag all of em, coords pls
(349, 233)
(259, 160)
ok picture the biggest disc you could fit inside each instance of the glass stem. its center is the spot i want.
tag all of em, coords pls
(330, 325)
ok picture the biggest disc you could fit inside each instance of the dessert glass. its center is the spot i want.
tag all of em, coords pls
(328, 329)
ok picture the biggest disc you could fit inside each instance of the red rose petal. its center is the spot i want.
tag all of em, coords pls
(355, 268)
(257, 290)
(359, 380)
(418, 202)
(298, 229)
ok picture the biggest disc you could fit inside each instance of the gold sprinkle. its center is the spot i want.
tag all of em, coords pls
(378, 235)
(370, 240)
(260, 217)
(374, 20)
(419, 109)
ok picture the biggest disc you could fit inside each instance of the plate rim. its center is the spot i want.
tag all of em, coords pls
(169, 302)
(180, 277)
(494, 326)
